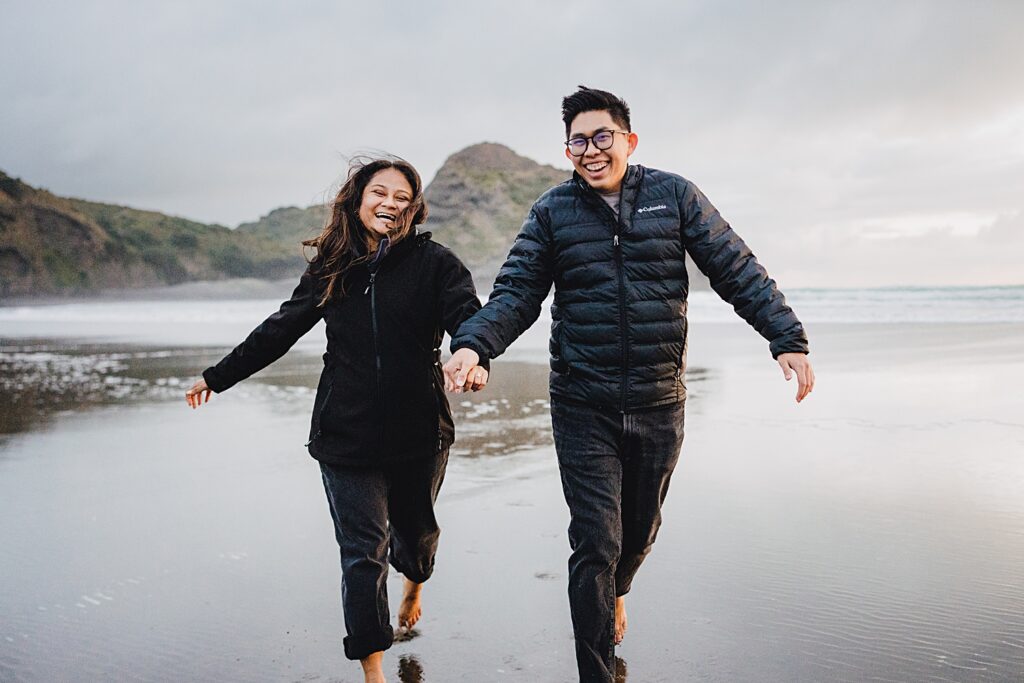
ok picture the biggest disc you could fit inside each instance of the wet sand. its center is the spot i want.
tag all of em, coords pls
(874, 533)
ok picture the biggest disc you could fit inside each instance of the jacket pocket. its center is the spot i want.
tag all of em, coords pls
(555, 347)
(318, 414)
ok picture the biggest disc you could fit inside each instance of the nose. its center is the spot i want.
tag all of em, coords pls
(389, 200)
(591, 144)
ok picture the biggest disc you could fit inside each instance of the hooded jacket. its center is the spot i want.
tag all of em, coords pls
(618, 321)
(380, 397)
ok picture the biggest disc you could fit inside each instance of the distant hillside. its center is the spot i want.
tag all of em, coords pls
(288, 227)
(478, 201)
(52, 245)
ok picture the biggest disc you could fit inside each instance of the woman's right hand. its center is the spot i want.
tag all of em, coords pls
(198, 394)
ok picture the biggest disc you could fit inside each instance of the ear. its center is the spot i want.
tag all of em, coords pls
(632, 141)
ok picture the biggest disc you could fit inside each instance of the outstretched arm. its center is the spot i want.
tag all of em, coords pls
(269, 341)
(739, 279)
(519, 291)
(459, 302)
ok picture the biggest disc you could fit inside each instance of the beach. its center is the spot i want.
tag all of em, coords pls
(873, 533)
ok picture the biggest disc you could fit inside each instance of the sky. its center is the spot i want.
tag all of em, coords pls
(851, 144)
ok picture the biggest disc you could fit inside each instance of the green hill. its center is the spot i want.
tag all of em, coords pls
(51, 245)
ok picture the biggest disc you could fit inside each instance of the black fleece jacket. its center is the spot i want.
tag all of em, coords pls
(381, 394)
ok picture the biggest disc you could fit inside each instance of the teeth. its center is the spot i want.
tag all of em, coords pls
(596, 167)
(385, 216)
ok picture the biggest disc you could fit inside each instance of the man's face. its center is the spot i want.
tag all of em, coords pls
(603, 169)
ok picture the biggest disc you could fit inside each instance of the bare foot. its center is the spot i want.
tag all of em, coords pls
(373, 668)
(620, 619)
(409, 611)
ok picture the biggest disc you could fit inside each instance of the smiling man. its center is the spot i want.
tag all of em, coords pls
(613, 240)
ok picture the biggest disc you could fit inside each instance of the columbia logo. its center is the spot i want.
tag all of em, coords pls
(648, 209)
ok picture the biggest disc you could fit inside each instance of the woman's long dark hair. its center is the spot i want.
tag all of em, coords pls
(336, 251)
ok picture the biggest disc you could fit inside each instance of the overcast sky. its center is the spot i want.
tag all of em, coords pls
(850, 143)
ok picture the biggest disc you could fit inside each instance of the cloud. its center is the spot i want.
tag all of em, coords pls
(798, 119)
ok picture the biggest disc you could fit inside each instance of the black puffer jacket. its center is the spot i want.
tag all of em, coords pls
(618, 331)
(381, 394)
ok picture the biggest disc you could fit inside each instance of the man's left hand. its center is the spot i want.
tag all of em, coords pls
(798, 363)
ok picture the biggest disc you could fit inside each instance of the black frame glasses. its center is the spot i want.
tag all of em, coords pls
(578, 145)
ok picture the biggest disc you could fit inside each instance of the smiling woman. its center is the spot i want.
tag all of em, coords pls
(381, 425)
(388, 194)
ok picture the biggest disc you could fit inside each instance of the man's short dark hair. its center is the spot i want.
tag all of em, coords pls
(590, 99)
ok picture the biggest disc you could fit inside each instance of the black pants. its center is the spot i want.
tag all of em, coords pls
(377, 510)
(615, 472)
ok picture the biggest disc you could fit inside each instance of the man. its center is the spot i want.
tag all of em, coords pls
(613, 241)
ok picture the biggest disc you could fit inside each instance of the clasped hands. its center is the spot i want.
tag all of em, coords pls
(462, 372)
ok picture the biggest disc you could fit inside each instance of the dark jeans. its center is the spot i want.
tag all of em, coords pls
(376, 509)
(615, 473)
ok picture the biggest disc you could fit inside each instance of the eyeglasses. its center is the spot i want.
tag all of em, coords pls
(602, 140)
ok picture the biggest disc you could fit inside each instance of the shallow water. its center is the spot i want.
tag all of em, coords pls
(873, 533)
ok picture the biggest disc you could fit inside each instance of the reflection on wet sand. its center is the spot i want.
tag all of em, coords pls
(410, 670)
(404, 635)
(41, 378)
(621, 671)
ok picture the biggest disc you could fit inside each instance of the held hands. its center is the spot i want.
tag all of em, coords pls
(198, 394)
(462, 372)
(798, 363)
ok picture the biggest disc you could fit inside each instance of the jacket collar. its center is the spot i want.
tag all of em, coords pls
(627, 199)
(417, 237)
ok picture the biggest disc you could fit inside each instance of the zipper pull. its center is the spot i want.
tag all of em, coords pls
(367, 290)
(615, 240)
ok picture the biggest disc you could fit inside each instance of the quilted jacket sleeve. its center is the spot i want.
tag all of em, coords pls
(458, 298)
(519, 291)
(736, 275)
(271, 339)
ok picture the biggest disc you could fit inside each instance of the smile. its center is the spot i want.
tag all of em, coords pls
(596, 167)
(385, 216)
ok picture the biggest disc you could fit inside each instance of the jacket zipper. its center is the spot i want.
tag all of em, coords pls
(376, 341)
(382, 250)
(610, 215)
(375, 265)
(622, 322)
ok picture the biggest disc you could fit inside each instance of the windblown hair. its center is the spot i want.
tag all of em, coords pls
(589, 99)
(336, 247)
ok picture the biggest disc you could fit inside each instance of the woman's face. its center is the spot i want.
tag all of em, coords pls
(387, 194)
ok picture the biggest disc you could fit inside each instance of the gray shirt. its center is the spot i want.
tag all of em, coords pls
(612, 199)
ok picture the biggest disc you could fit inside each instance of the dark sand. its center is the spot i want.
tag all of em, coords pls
(874, 533)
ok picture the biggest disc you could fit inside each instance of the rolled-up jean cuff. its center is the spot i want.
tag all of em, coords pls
(413, 575)
(362, 646)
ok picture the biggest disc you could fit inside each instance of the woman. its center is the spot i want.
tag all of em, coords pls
(381, 424)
